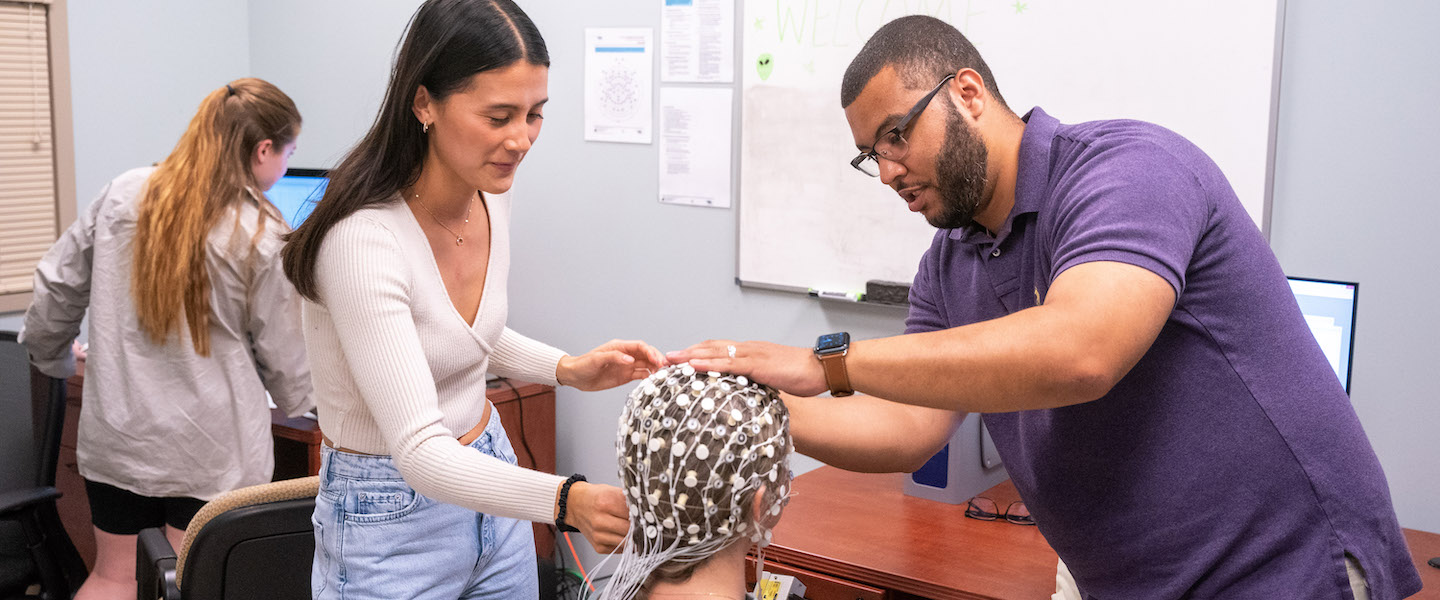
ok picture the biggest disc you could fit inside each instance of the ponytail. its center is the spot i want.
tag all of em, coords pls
(186, 195)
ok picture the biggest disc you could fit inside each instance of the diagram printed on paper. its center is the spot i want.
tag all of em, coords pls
(619, 91)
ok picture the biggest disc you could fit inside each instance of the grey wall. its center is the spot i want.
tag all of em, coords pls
(1356, 185)
(597, 257)
(333, 58)
(138, 70)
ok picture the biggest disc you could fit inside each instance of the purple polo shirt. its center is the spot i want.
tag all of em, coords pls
(1228, 463)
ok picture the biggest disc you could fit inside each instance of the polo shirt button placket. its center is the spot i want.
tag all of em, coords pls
(995, 254)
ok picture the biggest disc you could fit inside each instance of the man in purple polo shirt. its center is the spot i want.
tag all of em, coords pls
(1100, 295)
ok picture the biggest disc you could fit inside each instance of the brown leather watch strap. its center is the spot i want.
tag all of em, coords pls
(836, 377)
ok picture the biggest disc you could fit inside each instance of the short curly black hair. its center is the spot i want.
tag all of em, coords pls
(923, 51)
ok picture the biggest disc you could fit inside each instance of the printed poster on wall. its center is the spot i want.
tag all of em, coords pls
(695, 146)
(619, 80)
(697, 41)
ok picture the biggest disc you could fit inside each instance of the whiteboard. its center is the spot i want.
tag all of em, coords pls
(1206, 69)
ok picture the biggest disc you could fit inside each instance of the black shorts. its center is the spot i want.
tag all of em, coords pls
(123, 512)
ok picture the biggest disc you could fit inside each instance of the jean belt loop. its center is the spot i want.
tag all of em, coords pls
(326, 476)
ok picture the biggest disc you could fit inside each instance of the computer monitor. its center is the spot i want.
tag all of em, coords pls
(296, 193)
(1329, 309)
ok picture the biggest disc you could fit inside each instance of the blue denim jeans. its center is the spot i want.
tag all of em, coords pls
(376, 537)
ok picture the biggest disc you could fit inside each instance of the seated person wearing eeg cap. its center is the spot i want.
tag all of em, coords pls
(705, 465)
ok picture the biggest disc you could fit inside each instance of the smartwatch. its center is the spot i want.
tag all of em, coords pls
(831, 349)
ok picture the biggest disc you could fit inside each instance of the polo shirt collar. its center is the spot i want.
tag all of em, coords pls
(1033, 176)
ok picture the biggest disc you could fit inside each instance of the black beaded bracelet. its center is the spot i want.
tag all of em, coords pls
(564, 497)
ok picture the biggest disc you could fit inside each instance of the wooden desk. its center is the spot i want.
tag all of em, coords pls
(852, 536)
(297, 445)
(850, 528)
(297, 450)
(1423, 547)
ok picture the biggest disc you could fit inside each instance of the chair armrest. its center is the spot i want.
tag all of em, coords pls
(155, 566)
(14, 500)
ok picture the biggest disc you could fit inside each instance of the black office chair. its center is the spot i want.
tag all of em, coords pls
(254, 542)
(37, 558)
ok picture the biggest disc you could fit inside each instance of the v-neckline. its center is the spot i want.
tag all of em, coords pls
(435, 264)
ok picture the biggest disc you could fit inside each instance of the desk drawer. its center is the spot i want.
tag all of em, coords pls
(818, 586)
(71, 431)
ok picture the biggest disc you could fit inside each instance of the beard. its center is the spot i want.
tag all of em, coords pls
(959, 173)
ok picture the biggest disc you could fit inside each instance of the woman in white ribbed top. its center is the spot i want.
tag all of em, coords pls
(404, 265)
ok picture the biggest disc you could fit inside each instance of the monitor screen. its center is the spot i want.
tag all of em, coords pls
(1329, 309)
(296, 193)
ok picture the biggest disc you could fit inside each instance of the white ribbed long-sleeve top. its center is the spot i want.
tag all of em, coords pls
(398, 371)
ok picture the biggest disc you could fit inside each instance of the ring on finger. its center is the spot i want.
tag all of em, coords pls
(730, 350)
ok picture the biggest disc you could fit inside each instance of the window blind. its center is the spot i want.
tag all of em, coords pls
(29, 221)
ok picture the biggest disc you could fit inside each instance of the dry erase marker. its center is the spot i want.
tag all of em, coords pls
(832, 295)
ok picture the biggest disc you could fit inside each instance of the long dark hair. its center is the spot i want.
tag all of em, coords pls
(446, 42)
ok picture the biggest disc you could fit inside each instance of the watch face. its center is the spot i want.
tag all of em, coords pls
(833, 342)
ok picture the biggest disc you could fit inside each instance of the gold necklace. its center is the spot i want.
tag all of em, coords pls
(459, 239)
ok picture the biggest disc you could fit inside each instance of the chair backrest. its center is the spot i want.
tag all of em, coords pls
(32, 413)
(254, 542)
(34, 409)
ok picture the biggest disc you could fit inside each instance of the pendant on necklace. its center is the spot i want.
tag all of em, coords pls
(459, 241)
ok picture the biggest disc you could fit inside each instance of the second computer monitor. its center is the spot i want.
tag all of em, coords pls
(1329, 309)
(296, 193)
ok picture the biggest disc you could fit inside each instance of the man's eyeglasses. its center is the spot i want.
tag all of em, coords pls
(984, 509)
(891, 145)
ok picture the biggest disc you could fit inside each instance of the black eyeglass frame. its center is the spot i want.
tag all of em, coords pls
(978, 513)
(898, 131)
